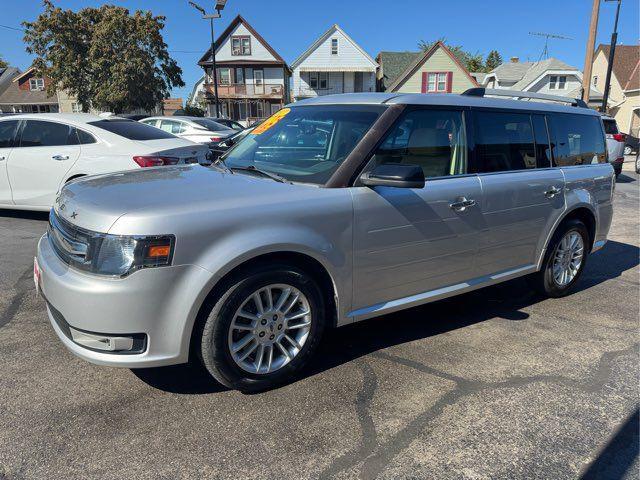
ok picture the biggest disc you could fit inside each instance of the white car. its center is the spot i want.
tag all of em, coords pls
(615, 143)
(196, 129)
(41, 152)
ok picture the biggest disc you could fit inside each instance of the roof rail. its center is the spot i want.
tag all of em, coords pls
(481, 92)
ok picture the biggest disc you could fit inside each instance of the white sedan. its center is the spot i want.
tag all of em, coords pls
(41, 152)
(196, 129)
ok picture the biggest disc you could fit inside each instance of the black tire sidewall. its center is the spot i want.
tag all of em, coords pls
(214, 349)
(550, 286)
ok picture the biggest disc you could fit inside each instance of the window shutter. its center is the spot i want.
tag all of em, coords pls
(449, 81)
(424, 82)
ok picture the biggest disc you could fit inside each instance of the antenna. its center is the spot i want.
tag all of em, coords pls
(547, 36)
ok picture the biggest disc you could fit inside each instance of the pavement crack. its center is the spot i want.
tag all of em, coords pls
(369, 443)
(21, 287)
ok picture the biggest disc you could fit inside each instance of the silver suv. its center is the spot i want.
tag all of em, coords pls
(334, 210)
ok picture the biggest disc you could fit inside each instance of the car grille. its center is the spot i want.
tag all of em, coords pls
(72, 244)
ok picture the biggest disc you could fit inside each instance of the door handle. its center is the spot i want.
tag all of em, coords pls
(552, 192)
(461, 204)
(60, 157)
(2, 158)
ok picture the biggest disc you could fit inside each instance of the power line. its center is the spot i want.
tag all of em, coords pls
(13, 28)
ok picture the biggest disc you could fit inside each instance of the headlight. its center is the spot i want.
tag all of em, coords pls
(120, 255)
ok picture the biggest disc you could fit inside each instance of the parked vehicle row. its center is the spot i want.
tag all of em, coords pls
(615, 143)
(334, 210)
(196, 129)
(41, 152)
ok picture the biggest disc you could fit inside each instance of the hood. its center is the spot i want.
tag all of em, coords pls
(96, 202)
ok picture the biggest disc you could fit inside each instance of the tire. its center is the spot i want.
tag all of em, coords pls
(216, 341)
(544, 281)
(627, 150)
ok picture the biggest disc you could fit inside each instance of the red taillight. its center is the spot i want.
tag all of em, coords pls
(216, 139)
(154, 161)
(619, 137)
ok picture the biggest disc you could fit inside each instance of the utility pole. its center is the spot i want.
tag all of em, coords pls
(591, 44)
(612, 52)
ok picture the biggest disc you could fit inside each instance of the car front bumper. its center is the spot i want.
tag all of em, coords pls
(154, 307)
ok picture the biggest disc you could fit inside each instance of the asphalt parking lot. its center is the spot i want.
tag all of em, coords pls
(494, 384)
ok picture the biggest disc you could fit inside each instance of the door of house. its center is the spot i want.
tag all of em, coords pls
(258, 78)
(358, 82)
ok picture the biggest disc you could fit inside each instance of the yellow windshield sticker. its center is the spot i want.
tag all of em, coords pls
(271, 121)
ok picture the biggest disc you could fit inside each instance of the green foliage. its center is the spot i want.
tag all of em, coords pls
(473, 62)
(106, 57)
(3, 64)
(193, 111)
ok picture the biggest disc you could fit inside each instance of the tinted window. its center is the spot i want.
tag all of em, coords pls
(172, 126)
(131, 129)
(541, 134)
(210, 124)
(37, 133)
(504, 141)
(7, 131)
(578, 140)
(610, 126)
(85, 138)
(432, 139)
(305, 143)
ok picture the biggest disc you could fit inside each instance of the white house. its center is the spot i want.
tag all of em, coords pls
(550, 76)
(253, 79)
(334, 63)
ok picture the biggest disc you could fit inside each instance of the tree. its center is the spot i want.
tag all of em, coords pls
(193, 111)
(494, 59)
(3, 64)
(106, 57)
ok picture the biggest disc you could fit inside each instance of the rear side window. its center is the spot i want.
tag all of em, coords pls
(504, 141)
(131, 129)
(432, 139)
(7, 133)
(578, 140)
(610, 127)
(85, 138)
(172, 126)
(38, 133)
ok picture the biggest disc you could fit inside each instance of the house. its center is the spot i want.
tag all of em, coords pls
(197, 96)
(624, 92)
(436, 70)
(334, 63)
(550, 76)
(26, 93)
(253, 79)
(171, 105)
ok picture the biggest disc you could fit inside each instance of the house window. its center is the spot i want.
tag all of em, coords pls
(334, 46)
(319, 80)
(240, 75)
(224, 76)
(436, 82)
(241, 45)
(557, 82)
(595, 80)
(76, 107)
(36, 84)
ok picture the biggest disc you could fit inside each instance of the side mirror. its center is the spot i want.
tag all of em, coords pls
(394, 175)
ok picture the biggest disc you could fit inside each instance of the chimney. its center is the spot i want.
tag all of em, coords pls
(514, 59)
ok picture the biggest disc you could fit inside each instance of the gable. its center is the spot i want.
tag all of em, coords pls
(350, 55)
(258, 50)
(437, 61)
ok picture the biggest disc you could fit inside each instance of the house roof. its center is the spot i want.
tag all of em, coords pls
(394, 63)
(334, 28)
(536, 69)
(206, 58)
(634, 80)
(625, 62)
(12, 95)
(479, 76)
(422, 58)
(511, 71)
(6, 75)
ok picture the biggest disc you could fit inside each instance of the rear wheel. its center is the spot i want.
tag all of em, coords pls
(564, 261)
(263, 329)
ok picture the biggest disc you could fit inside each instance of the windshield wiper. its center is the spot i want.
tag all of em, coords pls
(264, 173)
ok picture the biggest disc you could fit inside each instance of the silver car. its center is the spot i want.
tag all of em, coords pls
(334, 210)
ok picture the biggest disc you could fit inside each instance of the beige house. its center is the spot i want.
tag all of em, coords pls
(436, 70)
(624, 93)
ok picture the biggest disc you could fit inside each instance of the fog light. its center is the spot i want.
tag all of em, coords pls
(101, 342)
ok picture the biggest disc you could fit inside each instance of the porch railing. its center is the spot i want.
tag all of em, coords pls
(248, 90)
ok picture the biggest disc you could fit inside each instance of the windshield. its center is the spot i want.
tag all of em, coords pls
(131, 129)
(210, 124)
(305, 143)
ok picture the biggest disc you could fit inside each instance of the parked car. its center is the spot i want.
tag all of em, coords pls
(228, 143)
(41, 152)
(615, 143)
(196, 129)
(407, 200)
(631, 145)
(228, 123)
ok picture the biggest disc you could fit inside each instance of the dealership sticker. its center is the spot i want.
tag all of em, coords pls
(271, 121)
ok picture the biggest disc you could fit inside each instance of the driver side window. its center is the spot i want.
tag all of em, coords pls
(435, 140)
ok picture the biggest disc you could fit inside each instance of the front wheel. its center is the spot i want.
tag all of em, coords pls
(564, 261)
(263, 329)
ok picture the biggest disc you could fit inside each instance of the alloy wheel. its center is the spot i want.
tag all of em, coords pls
(568, 258)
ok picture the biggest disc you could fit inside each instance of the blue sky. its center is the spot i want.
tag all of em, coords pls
(291, 26)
